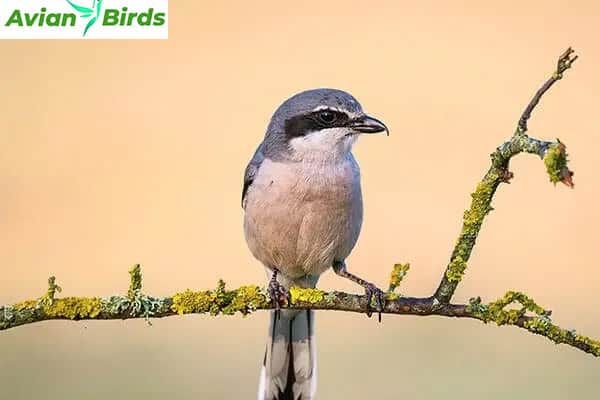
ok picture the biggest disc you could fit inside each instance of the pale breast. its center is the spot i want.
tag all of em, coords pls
(301, 216)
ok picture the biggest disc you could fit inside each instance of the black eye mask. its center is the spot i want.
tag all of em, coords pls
(301, 125)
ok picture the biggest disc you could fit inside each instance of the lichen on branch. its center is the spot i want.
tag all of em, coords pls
(220, 301)
(247, 299)
(555, 158)
(399, 271)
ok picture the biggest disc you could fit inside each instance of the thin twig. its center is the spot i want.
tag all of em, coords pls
(555, 158)
(564, 63)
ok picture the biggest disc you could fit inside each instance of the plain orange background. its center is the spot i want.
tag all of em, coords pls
(119, 152)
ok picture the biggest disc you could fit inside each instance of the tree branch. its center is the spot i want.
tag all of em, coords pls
(554, 156)
(529, 315)
(247, 299)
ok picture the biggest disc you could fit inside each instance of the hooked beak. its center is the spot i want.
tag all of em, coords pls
(367, 124)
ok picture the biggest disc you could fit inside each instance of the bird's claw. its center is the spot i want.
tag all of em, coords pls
(372, 291)
(278, 294)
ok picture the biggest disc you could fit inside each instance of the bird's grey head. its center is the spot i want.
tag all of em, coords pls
(318, 124)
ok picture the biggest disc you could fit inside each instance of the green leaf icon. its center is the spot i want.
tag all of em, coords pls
(87, 12)
(89, 24)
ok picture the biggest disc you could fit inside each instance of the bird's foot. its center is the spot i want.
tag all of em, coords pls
(372, 291)
(278, 294)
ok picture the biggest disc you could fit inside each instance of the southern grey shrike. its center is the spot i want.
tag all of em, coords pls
(303, 214)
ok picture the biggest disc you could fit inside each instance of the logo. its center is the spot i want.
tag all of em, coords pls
(85, 12)
(84, 19)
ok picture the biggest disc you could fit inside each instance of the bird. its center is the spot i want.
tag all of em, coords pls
(303, 213)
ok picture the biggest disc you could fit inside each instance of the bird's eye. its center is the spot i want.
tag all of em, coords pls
(327, 116)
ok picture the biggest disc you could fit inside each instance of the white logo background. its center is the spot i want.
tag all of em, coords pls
(96, 31)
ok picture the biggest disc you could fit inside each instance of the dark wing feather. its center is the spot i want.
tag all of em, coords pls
(251, 171)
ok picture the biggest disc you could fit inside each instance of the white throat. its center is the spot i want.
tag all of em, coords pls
(326, 145)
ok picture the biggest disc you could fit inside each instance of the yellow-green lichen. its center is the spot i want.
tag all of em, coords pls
(480, 203)
(220, 298)
(472, 220)
(188, 302)
(246, 299)
(497, 312)
(27, 304)
(68, 307)
(456, 269)
(135, 285)
(53, 288)
(220, 301)
(392, 296)
(594, 345)
(398, 273)
(542, 325)
(556, 160)
(306, 295)
(74, 307)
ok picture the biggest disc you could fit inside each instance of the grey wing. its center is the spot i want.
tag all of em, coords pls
(251, 171)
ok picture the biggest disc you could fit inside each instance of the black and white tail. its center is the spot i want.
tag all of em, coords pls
(289, 369)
